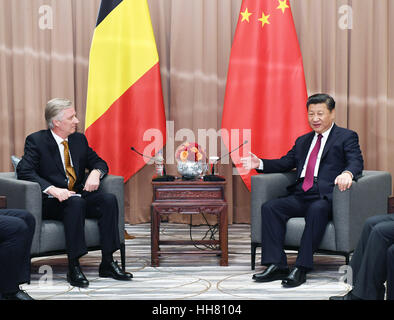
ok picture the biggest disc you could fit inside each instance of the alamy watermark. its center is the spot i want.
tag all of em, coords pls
(208, 139)
(347, 276)
(45, 17)
(47, 278)
(345, 21)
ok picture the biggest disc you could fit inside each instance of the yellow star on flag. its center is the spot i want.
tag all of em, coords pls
(246, 15)
(264, 19)
(283, 6)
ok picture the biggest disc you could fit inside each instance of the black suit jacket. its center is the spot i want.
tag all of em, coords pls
(42, 162)
(341, 152)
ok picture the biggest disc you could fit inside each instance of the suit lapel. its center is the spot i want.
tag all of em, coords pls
(305, 148)
(54, 152)
(330, 140)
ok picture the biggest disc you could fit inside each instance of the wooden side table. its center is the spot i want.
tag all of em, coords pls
(189, 197)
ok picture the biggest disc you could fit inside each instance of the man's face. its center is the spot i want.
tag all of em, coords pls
(320, 118)
(68, 123)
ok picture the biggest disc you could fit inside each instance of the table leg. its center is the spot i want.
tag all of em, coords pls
(223, 236)
(155, 216)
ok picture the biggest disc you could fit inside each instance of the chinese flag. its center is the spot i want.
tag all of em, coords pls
(125, 99)
(266, 89)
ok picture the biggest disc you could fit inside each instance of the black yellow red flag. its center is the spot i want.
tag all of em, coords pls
(124, 99)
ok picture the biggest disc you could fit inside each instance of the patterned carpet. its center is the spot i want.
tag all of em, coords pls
(183, 277)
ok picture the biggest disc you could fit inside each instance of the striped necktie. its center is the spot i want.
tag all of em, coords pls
(70, 172)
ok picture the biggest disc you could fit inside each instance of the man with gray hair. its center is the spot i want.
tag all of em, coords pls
(57, 159)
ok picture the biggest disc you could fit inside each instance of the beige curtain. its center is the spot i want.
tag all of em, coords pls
(347, 47)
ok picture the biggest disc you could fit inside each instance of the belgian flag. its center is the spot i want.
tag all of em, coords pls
(124, 100)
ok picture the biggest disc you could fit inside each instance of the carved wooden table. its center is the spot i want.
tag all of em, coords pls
(189, 197)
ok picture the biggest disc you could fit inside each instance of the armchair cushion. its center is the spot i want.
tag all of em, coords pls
(295, 228)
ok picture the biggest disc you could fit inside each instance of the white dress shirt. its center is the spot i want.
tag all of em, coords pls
(322, 144)
(60, 146)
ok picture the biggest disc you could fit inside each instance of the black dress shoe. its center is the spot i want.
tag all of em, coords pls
(112, 270)
(272, 273)
(76, 277)
(19, 295)
(296, 277)
(348, 296)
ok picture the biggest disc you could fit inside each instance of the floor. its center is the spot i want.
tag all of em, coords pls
(183, 277)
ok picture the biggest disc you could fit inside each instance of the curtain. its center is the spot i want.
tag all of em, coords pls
(347, 47)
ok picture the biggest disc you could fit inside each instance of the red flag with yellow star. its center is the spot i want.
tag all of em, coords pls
(266, 91)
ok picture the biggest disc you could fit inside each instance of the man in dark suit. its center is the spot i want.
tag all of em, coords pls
(372, 263)
(327, 156)
(16, 235)
(57, 159)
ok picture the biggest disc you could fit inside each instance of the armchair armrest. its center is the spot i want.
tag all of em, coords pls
(26, 195)
(115, 185)
(367, 197)
(265, 187)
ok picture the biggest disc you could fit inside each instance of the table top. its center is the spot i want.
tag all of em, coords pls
(187, 182)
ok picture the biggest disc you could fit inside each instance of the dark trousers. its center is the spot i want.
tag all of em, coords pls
(274, 216)
(16, 235)
(73, 211)
(372, 262)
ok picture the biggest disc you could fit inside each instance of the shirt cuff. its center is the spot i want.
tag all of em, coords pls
(101, 173)
(347, 171)
(46, 190)
(261, 166)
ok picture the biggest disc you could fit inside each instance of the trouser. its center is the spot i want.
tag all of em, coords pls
(274, 216)
(16, 235)
(370, 261)
(73, 211)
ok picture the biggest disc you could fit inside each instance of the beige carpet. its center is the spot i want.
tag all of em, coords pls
(183, 277)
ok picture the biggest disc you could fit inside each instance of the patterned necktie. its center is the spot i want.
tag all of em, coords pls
(70, 172)
(310, 169)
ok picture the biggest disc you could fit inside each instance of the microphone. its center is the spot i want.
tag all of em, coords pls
(245, 142)
(164, 177)
(212, 176)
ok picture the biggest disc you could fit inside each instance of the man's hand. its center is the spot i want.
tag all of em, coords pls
(251, 162)
(344, 181)
(59, 193)
(93, 181)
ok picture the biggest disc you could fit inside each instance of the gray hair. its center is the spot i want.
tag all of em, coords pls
(54, 110)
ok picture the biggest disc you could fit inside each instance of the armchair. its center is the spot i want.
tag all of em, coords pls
(49, 236)
(368, 196)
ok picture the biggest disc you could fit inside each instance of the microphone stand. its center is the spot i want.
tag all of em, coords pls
(212, 176)
(164, 177)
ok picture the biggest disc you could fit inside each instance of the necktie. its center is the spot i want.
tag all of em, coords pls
(70, 172)
(310, 169)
